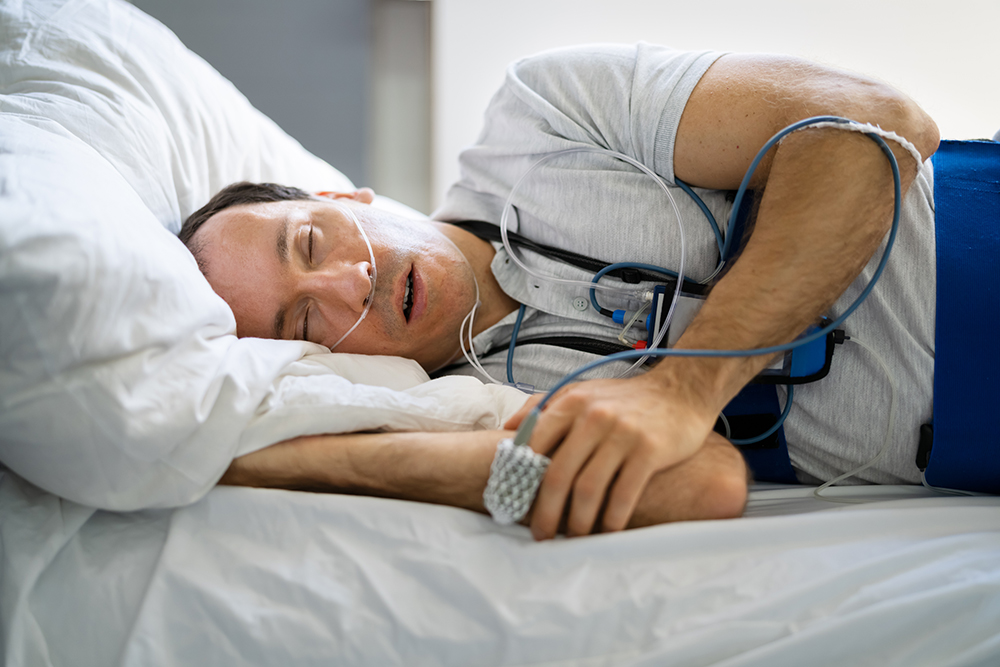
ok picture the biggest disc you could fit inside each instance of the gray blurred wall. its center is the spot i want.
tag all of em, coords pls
(348, 78)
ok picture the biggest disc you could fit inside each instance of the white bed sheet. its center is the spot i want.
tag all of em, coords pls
(267, 577)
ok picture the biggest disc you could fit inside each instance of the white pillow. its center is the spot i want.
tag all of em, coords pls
(121, 383)
(172, 126)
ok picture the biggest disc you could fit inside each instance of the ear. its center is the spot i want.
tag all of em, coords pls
(363, 196)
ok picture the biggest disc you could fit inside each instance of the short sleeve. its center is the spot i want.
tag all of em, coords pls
(628, 99)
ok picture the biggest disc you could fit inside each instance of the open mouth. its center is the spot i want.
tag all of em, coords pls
(408, 297)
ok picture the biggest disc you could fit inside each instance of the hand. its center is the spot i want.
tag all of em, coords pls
(606, 439)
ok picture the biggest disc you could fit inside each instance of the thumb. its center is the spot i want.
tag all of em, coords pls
(518, 417)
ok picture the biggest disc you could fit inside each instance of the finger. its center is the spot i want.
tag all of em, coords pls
(518, 417)
(555, 422)
(591, 487)
(632, 479)
(550, 503)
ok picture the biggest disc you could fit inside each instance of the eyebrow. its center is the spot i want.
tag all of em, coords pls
(281, 242)
(281, 248)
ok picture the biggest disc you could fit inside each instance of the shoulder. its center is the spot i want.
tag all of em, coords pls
(580, 56)
(602, 59)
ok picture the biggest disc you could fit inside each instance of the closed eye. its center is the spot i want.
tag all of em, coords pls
(305, 318)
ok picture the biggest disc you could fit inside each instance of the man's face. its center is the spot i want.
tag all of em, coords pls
(300, 270)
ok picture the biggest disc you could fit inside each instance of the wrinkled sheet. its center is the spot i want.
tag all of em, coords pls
(269, 577)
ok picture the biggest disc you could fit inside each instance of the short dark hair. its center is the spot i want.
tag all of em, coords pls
(236, 194)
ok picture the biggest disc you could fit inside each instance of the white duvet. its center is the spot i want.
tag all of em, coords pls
(122, 385)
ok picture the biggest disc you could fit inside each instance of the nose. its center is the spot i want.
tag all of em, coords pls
(342, 285)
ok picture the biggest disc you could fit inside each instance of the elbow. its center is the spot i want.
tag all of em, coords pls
(866, 100)
(895, 112)
(928, 136)
(726, 487)
(913, 123)
(727, 496)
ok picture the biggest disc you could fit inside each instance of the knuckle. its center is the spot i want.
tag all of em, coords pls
(600, 415)
(646, 447)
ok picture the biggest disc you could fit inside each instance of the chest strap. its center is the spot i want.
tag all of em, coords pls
(965, 448)
(754, 411)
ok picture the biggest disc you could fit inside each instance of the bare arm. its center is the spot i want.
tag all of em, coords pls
(827, 202)
(452, 469)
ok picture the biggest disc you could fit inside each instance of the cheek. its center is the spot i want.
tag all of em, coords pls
(248, 295)
(366, 340)
(459, 287)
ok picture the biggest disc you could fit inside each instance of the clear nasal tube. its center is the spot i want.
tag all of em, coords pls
(373, 274)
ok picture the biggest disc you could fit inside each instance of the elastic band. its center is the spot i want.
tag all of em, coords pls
(868, 128)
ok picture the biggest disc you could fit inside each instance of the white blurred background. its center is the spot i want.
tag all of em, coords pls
(415, 75)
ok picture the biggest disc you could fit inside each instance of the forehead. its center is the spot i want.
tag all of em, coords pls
(239, 234)
(248, 220)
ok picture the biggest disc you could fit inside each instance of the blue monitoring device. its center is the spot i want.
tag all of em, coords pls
(807, 362)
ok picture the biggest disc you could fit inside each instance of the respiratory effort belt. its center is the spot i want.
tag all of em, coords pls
(960, 448)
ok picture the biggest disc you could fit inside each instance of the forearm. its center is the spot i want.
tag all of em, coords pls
(826, 207)
(711, 484)
(452, 469)
(442, 468)
(827, 203)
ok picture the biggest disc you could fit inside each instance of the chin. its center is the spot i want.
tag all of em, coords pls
(438, 361)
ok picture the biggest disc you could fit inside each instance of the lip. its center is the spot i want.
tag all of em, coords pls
(401, 294)
(419, 296)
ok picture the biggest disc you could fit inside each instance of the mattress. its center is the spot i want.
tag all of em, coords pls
(270, 577)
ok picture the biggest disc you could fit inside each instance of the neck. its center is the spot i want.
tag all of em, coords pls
(495, 304)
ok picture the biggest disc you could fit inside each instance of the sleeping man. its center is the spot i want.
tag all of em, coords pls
(634, 451)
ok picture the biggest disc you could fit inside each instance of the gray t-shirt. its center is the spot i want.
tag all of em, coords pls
(629, 99)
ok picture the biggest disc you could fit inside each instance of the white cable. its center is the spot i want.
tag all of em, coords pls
(725, 422)
(470, 355)
(631, 293)
(889, 428)
(469, 352)
(941, 489)
(631, 322)
(885, 445)
(508, 207)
